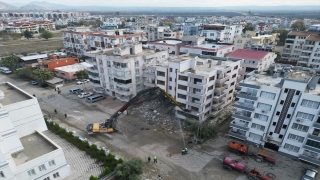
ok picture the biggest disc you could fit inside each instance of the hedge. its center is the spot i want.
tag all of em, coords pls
(108, 161)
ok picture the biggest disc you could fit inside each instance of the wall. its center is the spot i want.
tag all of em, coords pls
(60, 62)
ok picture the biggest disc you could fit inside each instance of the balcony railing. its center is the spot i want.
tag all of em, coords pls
(147, 83)
(245, 106)
(310, 159)
(240, 115)
(124, 92)
(247, 95)
(242, 126)
(237, 134)
(149, 75)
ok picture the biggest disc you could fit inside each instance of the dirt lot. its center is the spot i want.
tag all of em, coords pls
(10, 47)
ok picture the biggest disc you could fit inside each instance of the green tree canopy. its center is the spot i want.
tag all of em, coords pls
(42, 74)
(298, 25)
(130, 170)
(83, 74)
(204, 130)
(283, 35)
(25, 73)
(248, 27)
(93, 178)
(11, 62)
(27, 34)
(46, 35)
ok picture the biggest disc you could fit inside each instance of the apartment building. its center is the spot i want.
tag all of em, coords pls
(111, 23)
(203, 86)
(119, 71)
(80, 40)
(253, 40)
(222, 33)
(263, 27)
(25, 152)
(279, 110)
(163, 32)
(302, 47)
(34, 26)
(190, 30)
(252, 60)
(193, 45)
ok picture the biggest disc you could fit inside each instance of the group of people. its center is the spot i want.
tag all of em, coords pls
(55, 111)
(184, 151)
(155, 160)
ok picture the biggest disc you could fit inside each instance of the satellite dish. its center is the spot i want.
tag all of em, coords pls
(1, 95)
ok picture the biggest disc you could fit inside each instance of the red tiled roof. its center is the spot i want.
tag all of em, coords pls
(253, 55)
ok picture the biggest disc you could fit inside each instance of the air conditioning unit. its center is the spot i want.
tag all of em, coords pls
(299, 120)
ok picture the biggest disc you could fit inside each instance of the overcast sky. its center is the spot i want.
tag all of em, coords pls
(180, 3)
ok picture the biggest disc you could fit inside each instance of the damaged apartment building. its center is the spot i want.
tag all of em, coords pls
(278, 109)
(204, 86)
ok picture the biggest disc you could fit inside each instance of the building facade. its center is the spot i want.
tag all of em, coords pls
(279, 110)
(253, 40)
(25, 152)
(222, 33)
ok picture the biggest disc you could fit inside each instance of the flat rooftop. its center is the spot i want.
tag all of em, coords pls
(12, 94)
(304, 76)
(71, 68)
(262, 79)
(174, 42)
(215, 65)
(35, 146)
(145, 52)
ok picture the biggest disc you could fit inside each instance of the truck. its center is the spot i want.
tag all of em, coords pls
(230, 164)
(238, 148)
(109, 125)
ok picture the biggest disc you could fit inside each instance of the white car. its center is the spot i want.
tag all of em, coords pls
(85, 94)
(82, 81)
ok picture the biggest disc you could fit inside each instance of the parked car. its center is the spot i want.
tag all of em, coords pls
(310, 174)
(5, 70)
(94, 98)
(76, 90)
(33, 82)
(82, 81)
(85, 94)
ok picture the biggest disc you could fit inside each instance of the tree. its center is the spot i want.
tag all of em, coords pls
(25, 73)
(93, 178)
(298, 25)
(4, 35)
(122, 25)
(283, 35)
(129, 170)
(46, 35)
(27, 34)
(41, 30)
(248, 27)
(83, 74)
(11, 62)
(202, 130)
(278, 56)
(169, 24)
(15, 36)
(42, 74)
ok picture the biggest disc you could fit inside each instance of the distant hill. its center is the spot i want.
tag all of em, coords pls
(33, 7)
(49, 5)
(5, 6)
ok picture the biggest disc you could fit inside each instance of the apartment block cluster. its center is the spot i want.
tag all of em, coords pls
(25, 152)
(32, 26)
(303, 48)
(44, 15)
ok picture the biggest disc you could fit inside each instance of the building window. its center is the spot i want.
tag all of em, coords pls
(261, 117)
(32, 172)
(160, 82)
(290, 147)
(285, 90)
(306, 116)
(47, 178)
(136, 64)
(295, 138)
(298, 92)
(284, 126)
(56, 175)
(300, 127)
(210, 88)
(293, 104)
(270, 133)
(263, 106)
(2, 175)
(278, 113)
(211, 78)
(182, 96)
(274, 123)
(182, 87)
(267, 95)
(137, 72)
(183, 78)
(280, 136)
(255, 136)
(310, 104)
(170, 69)
(170, 78)
(42, 167)
(258, 126)
(288, 115)
(282, 101)
(170, 87)
(312, 143)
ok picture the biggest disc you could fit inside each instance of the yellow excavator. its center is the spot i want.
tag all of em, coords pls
(110, 124)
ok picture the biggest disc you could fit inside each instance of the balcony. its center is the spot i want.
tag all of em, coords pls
(246, 95)
(198, 85)
(123, 85)
(217, 106)
(307, 50)
(237, 134)
(245, 106)
(95, 84)
(99, 90)
(249, 85)
(149, 75)
(310, 159)
(222, 80)
(198, 95)
(94, 70)
(120, 68)
(316, 124)
(240, 115)
(94, 77)
(126, 77)
(92, 62)
(122, 98)
(152, 84)
(220, 89)
(124, 92)
(241, 126)
(197, 104)
(218, 97)
(314, 137)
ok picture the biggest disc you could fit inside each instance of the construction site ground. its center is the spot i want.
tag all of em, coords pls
(145, 132)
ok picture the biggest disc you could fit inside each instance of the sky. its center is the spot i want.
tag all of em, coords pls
(176, 3)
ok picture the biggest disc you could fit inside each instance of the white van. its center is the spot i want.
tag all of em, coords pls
(75, 90)
(95, 98)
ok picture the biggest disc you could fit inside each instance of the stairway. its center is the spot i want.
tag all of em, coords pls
(284, 110)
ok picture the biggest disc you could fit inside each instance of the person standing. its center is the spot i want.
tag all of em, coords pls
(65, 115)
(55, 111)
(183, 151)
(155, 160)
(186, 150)
(149, 159)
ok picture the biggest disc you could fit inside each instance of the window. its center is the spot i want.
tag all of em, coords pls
(2, 174)
(290, 147)
(183, 78)
(47, 178)
(170, 87)
(211, 34)
(160, 82)
(282, 101)
(280, 136)
(137, 71)
(293, 104)
(312, 143)
(300, 127)
(278, 113)
(270, 133)
(267, 95)
(285, 90)
(170, 69)
(182, 96)
(255, 136)
(298, 92)
(284, 126)
(170, 78)
(210, 88)
(295, 138)
(239, 41)
(263, 106)
(42, 167)
(274, 123)
(288, 115)
(56, 175)
(32, 172)
(136, 64)
(261, 117)
(258, 126)
(310, 104)
(182, 87)
(252, 92)
(306, 116)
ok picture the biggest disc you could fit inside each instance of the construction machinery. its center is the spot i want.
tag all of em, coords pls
(110, 124)
(263, 155)
(255, 175)
(237, 148)
(230, 164)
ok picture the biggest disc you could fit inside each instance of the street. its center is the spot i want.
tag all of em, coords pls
(140, 139)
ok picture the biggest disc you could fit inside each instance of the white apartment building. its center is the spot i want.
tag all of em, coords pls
(222, 33)
(80, 40)
(302, 47)
(119, 71)
(253, 60)
(163, 32)
(25, 152)
(193, 45)
(203, 86)
(191, 30)
(279, 110)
